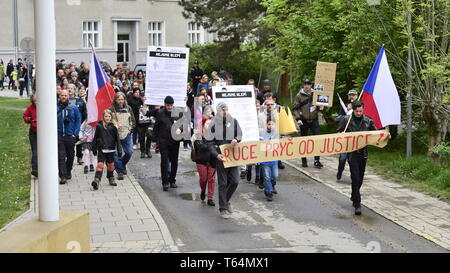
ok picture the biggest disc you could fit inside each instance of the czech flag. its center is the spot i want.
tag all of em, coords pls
(100, 93)
(380, 97)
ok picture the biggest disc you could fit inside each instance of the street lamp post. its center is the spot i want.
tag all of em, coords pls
(44, 33)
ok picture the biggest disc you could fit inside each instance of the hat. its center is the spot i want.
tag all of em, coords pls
(168, 100)
(220, 106)
(266, 82)
(74, 74)
(307, 81)
(352, 92)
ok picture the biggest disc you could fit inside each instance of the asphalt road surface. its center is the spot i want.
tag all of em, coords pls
(305, 216)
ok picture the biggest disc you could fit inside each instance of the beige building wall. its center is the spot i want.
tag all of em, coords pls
(113, 15)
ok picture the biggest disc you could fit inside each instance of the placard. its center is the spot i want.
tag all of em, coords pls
(240, 100)
(166, 74)
(323, 98)
(326, 75)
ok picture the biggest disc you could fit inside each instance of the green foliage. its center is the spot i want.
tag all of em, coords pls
(242, 63)
(442, 151)
(15, 157)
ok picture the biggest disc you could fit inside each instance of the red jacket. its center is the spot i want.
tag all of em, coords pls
(29, 116)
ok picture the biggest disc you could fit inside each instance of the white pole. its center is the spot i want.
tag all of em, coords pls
(44, 33)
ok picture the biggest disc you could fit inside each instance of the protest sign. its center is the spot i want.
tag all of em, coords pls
(240, 100)
(292, 148)
(324, 84)
(167, 70)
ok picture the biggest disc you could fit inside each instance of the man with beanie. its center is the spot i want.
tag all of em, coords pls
(224, 129)
(168, 146)
(307, 116)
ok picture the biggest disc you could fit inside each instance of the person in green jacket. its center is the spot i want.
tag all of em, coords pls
(14, 75)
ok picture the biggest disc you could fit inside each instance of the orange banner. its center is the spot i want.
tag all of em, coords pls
(297, 147)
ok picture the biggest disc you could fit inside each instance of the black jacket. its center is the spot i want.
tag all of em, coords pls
(358, 125)
(135, 104)
(163, 125)
(106, 138)
(222, 131)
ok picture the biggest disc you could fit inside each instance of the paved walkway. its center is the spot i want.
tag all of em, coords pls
(122, 218)
(423, 215)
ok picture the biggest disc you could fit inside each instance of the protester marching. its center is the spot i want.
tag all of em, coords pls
(104, 115)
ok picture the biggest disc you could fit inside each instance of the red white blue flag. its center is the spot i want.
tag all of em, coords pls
(380, 97)
(100, 92)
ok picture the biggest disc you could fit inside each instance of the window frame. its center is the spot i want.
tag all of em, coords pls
(152, 31)
(92, 32)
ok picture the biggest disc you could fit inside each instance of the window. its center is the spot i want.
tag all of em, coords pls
(91, 31)
(194, 33)
(156, 33)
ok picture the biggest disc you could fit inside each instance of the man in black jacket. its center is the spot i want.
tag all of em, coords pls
(224, 129)
(357, 159)
(169, 145)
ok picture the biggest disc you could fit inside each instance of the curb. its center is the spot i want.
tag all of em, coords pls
(158, 218)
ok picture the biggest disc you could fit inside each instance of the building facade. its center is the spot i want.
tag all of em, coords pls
(120, 30)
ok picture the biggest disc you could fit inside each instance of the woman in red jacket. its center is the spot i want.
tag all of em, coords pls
(29, 116)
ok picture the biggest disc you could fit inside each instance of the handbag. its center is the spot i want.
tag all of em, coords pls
(21, 79)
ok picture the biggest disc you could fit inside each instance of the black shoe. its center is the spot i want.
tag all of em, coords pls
(318, 165)
(95, 183)
(261, 184)
(281, 165)
(304, 164)
(62, 181)
(149, 155)
(249, 173)
(34, 173)
(211, 203)
(157, 151)
(202, 196)
(125, 171)
(338, 176)
(120, 176)
(86, 169)
(91, 168)
(270, 197)
(69, 176)
(274, 191)
(173, 185)
(165, 187)
(80, 161)
(142, 155)
(358, 210)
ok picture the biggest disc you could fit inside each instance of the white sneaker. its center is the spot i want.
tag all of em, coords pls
(135, 147)
(224, 214)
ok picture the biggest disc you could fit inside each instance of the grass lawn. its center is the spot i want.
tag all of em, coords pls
(15, 159)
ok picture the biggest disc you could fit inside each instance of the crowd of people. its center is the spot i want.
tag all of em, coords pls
(17, 76)
(130, 123)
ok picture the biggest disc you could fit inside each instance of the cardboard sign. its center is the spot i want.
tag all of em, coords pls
(324, 84)
(298, 147)
(324, 98)
(326, 75)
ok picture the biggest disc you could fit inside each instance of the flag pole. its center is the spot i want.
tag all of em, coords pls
(103, 76)
(350, 118)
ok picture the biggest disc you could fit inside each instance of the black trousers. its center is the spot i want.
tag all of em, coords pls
(228, 180)
(79, 150)
(357, 161)
(33, 142)
(66, 154)
(341, 166)
(144, 138)
(315, 128)
(169, 155)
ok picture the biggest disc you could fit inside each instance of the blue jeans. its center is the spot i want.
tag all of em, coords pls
(127, 147)
(270, 175)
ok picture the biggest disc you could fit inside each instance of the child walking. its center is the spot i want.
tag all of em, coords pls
(86, 136)
(269, 169)
(106, 143)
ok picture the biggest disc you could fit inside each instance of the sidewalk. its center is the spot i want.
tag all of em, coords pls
(122, 218)
(421, 214)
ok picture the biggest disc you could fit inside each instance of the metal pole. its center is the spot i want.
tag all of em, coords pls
(409, 102)
(44, 32)
(16, 31)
